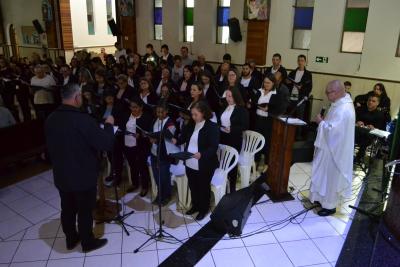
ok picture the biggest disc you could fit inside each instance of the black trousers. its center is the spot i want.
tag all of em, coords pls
(363, 140)
(200, 188)
(78, 205)
(117, 158)
(264, 127)
(137, 159)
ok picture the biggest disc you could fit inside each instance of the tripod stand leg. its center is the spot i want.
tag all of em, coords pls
(144, 244)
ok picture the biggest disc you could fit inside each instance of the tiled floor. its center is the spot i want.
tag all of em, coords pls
(31, 235)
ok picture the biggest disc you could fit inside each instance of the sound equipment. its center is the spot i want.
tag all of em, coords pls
(234, 30)
(232, 212)
(113, 27)
(37, 26)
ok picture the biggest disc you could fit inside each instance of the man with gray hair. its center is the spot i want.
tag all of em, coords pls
(332, 167)
(74, 140)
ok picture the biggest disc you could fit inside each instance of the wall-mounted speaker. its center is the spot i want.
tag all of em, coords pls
(114, 27)
(234, 30)
(37, 26)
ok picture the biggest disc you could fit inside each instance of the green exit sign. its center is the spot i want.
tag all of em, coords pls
(321, 59)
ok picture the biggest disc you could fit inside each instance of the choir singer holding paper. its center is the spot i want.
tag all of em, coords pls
(332, 168)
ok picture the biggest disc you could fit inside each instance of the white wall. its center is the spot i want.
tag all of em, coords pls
(205, 20)
(80, 25)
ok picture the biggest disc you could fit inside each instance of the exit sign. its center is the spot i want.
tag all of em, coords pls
(321, 59)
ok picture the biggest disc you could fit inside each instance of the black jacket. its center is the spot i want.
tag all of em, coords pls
(375, 118)
(306, 83)
(208, 142)
(239, 123)
(121, 107)
(212, 98)
(276, 104)
(281, 70)
(144, 122)
(73, 142)
(166, 134)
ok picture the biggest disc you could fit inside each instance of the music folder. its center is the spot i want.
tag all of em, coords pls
(184, 155)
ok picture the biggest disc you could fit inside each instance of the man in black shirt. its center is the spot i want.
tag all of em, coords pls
(74, 141)
(367, 118)
(276, 66)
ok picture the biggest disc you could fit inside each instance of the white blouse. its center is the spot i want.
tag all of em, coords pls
(193, 146)
(130, 140)
(264, 98)
(226, 117)
(245, 82)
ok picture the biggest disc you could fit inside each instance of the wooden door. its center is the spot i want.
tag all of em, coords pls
(257, 39)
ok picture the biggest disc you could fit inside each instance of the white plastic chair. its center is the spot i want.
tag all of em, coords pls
(228, 158)
(253, 142)
(178, 174)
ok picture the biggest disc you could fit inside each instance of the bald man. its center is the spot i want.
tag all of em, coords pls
(332, 167)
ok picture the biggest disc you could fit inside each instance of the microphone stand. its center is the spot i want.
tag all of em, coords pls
(282, 155)
(160, 234)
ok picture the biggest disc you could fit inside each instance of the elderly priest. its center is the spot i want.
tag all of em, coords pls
(332, 169)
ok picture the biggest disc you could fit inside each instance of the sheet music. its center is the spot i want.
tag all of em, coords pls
(380, 133)
(293, 121)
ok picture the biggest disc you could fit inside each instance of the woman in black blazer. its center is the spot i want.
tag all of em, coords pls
(234, 120)
(147, 95)
(201, 138)
(184, 84)
(137, 145)
(266, 103)
(210, 91)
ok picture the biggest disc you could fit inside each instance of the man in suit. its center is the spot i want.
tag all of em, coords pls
(205, 66)
(74, 140)
(165, 55)
(67, 77)
(254, 71)
(150, 55)
(276, 66)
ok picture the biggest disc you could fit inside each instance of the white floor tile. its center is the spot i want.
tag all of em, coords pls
(146, 258)
(39, 213)
(193, 229)
(25, 203)
(303, 252)
(206, 261)
(273, 212)
(259, 238)
(143, 219)
(330, 246)
(296, 206)
(107, 228)
(290, 232)
(340, 225)
(113, 246)
(227, 242)
(13, 226)
(55, 202)
(46, 193)
(45, 229)
(300, 180)
(255, 216)
(296, 169)
(60, 251)
(164, 254)
(7, 251)
(271, 255)
(29, 264)
(16, 237)
(33, 250)
(74, 262)
(232, 257)
(6, 212)
(33, 185)
(134, 240)
(180, 233)
(318, 227)
(103, 261)
(12, 193)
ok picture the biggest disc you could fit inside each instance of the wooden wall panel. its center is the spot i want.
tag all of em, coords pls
(257, 39)
(51, 28)
(128, 37)
(67, 42)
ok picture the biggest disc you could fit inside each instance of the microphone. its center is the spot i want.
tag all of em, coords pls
(322, 112)
(302, 101)
(313, 98)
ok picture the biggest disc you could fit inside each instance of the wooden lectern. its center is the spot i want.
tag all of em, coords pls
(280, 158)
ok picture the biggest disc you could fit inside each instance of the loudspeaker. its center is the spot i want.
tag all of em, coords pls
(113, 27)
(233, 210)
(37, 26)
(234, 30)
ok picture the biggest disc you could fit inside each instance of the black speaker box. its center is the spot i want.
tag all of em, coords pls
(234, 30)
(114, 27)
(37, 26)
(232, 211)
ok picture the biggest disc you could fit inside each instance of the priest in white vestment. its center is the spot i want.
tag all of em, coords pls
(332, 167)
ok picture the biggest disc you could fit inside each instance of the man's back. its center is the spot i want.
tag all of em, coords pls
(74, 140)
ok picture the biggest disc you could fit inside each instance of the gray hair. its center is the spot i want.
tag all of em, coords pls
(337, 85)
(70, 90)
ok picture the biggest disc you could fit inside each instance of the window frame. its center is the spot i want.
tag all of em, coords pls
(109, 32)
(184, 21)
(343, 31)
(93, 18)
(154, 22)
(293, 26)
(217, 26)
(398, 48)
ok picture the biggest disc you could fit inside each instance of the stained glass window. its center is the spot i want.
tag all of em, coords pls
(302, 24)
(90, 17)
(223, 13)
(355, 23)
(158, 19)
(188, 28)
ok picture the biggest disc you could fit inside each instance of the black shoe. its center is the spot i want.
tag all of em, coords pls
(72, 242)
(132, 189)
(144, 192)
(317, 203)
(326, 212)
(201, 216)
(94, 244)
(191, 211)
